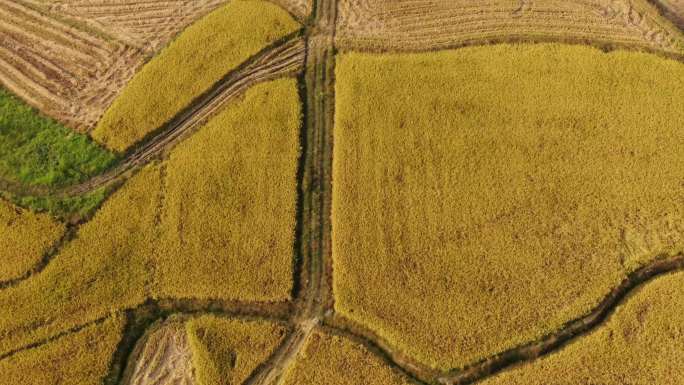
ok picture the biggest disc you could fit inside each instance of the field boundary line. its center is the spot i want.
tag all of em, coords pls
(281, 59)
(571, 331)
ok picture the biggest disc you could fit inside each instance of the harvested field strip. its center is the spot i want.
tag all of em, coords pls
(138, 255)
(641, 342)
(59, 68)
(82, 357)
(226, 351)
(430, 24)
(275, 62)
(186, 69)
(473, 126)
(24, 238)
(147, 24)
(35, 150)
(334, 360)
(164, 358)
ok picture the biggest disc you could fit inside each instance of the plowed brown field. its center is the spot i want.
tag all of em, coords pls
(431, 24)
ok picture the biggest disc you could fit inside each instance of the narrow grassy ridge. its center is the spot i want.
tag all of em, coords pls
(483, 197)
(36, 150)
(334, 360)
(203, 54)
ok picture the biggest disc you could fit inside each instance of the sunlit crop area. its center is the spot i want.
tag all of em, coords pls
(189, 66)
(335, 360)
(484, 197)
(641, 342)
(152, 235)
(226, 351)
(79, 358)
(24, 238)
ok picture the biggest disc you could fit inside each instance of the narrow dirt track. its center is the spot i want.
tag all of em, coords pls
(281, 59)
(316, 193)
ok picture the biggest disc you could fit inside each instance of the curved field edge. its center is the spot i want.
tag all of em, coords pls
(382, 140)
(639, 344)
(135, 258)
(81, 357)
(187, 68)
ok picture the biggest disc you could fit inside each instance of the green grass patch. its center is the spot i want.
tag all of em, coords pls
(64, 207)
(36, 150)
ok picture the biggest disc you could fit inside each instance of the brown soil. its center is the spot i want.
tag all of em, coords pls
(164, 358)
(432, 24)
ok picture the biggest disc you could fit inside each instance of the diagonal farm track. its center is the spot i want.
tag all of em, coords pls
(283, 58)
(312, 306)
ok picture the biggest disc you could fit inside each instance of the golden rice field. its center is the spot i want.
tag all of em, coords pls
(141, 231)
(640, 344)
(79, 358)
(335, 360)
(226, 351)
(392, 25)
(24, 238)
(188, 67)
(486, 196)
(429, 192)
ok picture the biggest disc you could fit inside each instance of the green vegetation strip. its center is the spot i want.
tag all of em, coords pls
(201, 56)
(36, 150)
(484, 197)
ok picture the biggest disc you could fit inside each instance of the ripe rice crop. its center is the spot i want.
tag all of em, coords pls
(236, 175)
(641, 342)
(24, 238)
(431, 24)
(182, 228)
(227, 351)
(485, 196)
(334, 360)
(189, 67)
(79, 358)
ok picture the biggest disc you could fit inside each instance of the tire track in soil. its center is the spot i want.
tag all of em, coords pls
(283, 58)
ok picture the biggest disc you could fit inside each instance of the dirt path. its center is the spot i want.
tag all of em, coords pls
(316, 190)
(281, 59)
